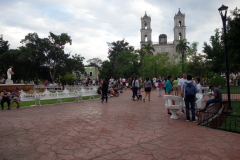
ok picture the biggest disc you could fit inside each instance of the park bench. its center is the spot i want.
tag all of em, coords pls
(179, 104)
(87, 91)
(59, 95)
(53, 87)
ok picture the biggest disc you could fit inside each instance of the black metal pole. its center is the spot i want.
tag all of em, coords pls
(226, 59)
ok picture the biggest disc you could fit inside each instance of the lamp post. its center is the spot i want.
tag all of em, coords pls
(223, 12)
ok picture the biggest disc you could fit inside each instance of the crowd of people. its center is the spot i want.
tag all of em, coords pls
(186, 87)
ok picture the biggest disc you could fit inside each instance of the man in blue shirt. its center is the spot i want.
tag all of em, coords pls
(169, 88)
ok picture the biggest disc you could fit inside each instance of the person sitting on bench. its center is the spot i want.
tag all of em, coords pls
(217, 96)
(5, 98)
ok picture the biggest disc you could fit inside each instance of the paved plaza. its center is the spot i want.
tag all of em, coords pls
(120, 129)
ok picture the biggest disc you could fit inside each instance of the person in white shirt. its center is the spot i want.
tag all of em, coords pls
(197, 82)
(180, 85)
(124, 82)
(111, 80)
(135, 86)
(93, 82)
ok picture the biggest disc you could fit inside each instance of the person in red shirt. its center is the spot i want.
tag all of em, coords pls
(46, 82)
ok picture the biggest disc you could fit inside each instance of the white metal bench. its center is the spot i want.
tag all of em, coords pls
(59, 95)
(179, 104)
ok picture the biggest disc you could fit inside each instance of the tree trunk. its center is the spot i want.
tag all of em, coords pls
(182, 62)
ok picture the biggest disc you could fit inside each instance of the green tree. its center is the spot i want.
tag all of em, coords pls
(215, 53)
(97, 62)
(154, 65)
(4, 46)
(106, 69)
(147, 48)
(197, 66)
(127, 65)
(115, 48)
(233, 40)
(181, 48)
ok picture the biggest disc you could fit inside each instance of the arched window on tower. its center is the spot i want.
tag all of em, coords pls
(146, 38)
(180, 24)
(145, 25)
(180, 36)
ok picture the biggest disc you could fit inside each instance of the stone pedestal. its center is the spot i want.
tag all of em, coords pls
(9, 82)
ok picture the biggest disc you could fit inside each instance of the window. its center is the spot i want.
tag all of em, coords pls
(179, 24)
(146, 38)
(145, 25)
(180, 36)
(90, 73)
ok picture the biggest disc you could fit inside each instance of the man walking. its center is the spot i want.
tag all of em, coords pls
(180, 84)
(189, 91)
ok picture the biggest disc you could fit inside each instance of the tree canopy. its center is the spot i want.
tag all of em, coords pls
(39, 56)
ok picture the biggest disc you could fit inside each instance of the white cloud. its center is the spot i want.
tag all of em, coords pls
(92, 24)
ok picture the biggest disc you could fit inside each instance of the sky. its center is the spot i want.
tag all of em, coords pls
(93, 23)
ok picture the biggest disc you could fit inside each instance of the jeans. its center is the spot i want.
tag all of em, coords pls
(214, 100)
(135, 92)
(192, 102)
(5, 100)
(104, 92)
(160, 91)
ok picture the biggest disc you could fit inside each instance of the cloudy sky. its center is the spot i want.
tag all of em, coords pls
(93, 23)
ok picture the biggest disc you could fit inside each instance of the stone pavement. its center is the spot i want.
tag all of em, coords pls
(120, 129)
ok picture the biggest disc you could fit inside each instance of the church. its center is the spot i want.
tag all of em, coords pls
(163, 46)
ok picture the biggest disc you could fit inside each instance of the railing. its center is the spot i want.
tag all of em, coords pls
(55, 87)
(213, 110)
(233, 96)
(157, 43)
(214, 118)
(226, 122)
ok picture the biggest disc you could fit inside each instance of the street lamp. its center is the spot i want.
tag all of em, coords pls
(223, 12)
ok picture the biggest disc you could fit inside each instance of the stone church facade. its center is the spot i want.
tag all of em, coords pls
(163, 46)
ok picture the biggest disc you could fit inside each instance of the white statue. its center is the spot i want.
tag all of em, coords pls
(9, 73)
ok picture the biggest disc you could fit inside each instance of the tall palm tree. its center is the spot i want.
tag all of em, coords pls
(148, 47)
(181, 48)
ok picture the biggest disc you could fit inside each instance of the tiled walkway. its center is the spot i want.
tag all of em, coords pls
(120, 129)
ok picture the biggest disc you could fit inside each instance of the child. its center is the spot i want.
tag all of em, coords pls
(160, 85)
(139, 92)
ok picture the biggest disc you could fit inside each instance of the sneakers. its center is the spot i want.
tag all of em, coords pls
(187, 120)
(182, 112)
(193, 121)
(169, 114)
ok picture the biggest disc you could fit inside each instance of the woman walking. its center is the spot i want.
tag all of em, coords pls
(104, 89)
(148, 87)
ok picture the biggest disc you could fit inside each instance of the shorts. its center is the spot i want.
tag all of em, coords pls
(148, 89)
(124, 83)
(175, 88)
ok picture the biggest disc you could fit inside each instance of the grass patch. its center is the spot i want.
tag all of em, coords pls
(232, 123)
(233, 89)
(51, 101)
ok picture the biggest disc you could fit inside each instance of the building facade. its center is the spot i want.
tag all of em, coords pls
(163, 46)
(90, 72)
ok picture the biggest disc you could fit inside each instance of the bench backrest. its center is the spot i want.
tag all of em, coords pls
(169, 98)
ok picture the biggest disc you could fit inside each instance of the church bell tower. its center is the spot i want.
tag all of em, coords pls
(146, 31)
(179, 26)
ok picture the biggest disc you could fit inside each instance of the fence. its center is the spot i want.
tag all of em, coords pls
(214, 118)
(226, 122)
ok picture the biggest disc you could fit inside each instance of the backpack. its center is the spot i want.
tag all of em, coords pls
(190, 90)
